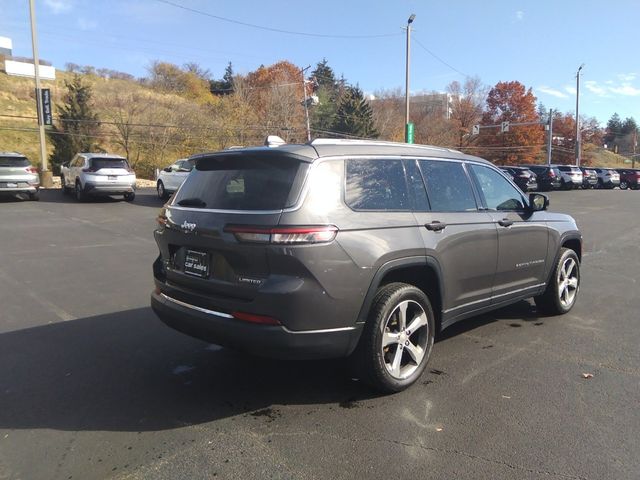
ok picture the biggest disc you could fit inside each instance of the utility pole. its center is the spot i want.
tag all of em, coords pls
(550, 137)
(578, 116)
(635, 144)
(46, 177)
(408, 130)
(306, 107)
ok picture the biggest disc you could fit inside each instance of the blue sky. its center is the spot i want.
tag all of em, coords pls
(539, 43)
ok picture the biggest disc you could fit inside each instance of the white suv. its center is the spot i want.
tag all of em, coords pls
(171, 177)
(570, 177)
(94, 174)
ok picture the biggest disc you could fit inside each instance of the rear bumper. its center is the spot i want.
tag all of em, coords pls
(20, 189)
(91, 188)
(271, 341)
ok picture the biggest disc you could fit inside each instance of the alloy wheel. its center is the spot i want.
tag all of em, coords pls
(404, 339)
(568, 282)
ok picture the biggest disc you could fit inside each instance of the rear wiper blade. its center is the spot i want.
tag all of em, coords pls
(192, 202)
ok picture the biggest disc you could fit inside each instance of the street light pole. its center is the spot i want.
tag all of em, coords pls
(46, 174)
(406, 108)
(306, 106)
(578, 116)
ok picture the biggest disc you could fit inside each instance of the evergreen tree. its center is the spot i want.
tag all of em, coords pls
(224, 86)
(77, 127)
(354, 115)
(613, 131)
(322, 116)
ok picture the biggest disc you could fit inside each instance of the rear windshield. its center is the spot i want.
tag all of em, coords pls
(242, 182)
(98, 163)
(14, 162)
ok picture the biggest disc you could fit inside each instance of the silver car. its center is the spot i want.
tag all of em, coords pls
(18, 176)
(95, 174)
(170, 178)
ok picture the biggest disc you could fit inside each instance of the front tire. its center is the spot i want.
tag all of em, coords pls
(80, 195)
(63, 186)
(162, 193)
(397, 339)
(562, 290)
(623, 185)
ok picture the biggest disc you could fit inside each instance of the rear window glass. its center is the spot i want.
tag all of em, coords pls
(376, 185)
(98, 163)
(14, 162)
(448, 186)
(242, 182)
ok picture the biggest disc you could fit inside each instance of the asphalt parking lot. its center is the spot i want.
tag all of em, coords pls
(92, 385)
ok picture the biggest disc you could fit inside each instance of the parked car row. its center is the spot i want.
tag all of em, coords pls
(569, 177)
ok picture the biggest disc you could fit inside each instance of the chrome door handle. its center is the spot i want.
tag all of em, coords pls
(435, 226)
(505, 222)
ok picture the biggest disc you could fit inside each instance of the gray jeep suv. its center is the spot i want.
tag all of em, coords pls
(354, 249)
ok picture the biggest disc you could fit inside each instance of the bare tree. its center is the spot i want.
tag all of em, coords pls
(467, 104)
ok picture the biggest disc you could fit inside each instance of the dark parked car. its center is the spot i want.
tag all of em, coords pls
(523, 177)
(589, 178)
(548, 178)
(354, 249)
(607, 178)
(629, 178)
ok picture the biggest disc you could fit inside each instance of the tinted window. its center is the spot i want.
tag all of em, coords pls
(498, 193)
(416, 184)
(185, 165)
(448, 186)
(98, 163)
(564, 169)
(241, 182)
(14, 162)
(376, 185)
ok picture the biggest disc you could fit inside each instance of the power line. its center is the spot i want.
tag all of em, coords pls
(440, 59)
(270, 29)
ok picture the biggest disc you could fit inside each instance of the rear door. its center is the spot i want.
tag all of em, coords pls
(204, 259)
(461, 237)
(522, 236)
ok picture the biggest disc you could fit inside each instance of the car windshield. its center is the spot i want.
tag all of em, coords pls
(99, 163)
(241, 182)
(11, 161)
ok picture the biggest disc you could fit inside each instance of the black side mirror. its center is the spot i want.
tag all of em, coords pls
(167, 169)
(538, 202)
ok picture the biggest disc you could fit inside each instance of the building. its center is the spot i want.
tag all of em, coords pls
(22, 67)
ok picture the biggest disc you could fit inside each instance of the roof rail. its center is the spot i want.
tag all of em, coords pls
(342, 141)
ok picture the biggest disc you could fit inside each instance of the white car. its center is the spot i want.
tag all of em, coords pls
(570, 177)
(17, 175)
(170, 178)
(95, 174)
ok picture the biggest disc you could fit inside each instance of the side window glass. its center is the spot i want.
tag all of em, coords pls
(416, 186)
(448, 186)
(498, 193)
(376, 185)
(186, 165)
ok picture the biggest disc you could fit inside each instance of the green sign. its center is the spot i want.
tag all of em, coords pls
(408, 133)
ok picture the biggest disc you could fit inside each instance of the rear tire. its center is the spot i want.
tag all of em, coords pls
(35, 196)
(623, 185)
(397, 339)
(129, 196)
(562, 290)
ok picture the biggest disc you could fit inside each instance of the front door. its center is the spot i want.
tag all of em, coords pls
(522, 235)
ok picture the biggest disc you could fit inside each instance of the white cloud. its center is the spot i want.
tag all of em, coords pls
(626, 89)
(552, 91)
(519, 15)
(596, 89)
(59, 6)
(84, 24)
(570, 89)
(627, 77)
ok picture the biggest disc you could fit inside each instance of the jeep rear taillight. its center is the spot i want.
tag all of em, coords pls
(284, 235)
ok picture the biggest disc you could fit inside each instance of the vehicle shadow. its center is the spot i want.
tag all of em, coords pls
(524, 310)
(145, 197)
(126, 371)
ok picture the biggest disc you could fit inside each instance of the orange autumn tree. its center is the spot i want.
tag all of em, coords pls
(511, 102)
(275, 93)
